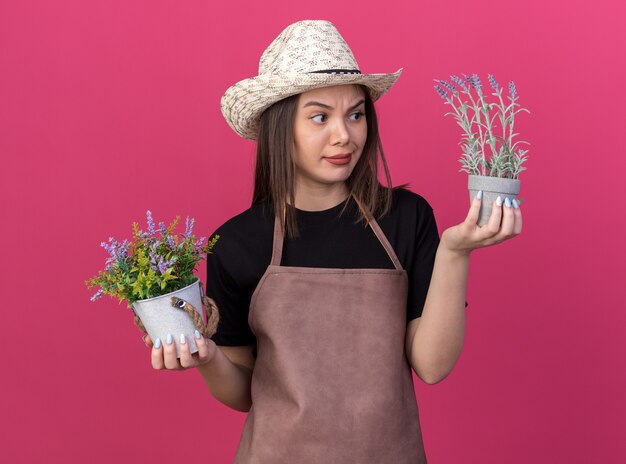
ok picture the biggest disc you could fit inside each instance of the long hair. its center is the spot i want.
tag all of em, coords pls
(275, 170)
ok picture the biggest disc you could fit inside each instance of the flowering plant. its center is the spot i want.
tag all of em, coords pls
(151, 265)
(506, 160)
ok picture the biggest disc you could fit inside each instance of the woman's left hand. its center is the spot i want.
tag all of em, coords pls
(504, 223)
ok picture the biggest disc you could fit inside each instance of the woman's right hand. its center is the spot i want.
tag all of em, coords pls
(164, 354)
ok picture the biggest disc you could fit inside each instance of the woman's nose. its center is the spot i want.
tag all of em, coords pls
(340, 133)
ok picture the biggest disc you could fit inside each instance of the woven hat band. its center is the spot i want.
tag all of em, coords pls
(337, 71)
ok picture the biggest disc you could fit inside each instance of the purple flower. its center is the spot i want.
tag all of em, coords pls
(199, 243)
(448, 86)
(492, 81)
(512, 90)
(474, 81)
(118, 252)
(97, 295)
(188, 227)
(110, 248)
(171, 242)
(442, 93)
(150, 222)
(162, 229)
(459, 82)
(163, 265)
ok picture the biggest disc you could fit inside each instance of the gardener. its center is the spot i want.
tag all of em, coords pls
(332, 286)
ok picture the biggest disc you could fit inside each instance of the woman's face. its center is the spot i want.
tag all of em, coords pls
(329, 134)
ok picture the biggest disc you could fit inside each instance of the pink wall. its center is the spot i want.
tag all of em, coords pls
(108, 109)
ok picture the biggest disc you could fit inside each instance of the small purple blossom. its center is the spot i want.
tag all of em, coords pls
(512, 90)
(118, 252)
(492, 81)
(150, 222)
(164, 265)
(459, 81)
(97, 295)
(171, 242)
(442, 93)
(474, 81)
(448, 86)
(162, 229)
(109, 248)
(123, 249)
(199, 243)
(188, 227)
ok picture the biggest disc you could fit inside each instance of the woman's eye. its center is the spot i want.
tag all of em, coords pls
(318, 116)
(359, 115)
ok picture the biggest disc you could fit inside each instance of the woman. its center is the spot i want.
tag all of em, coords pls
(331, 287)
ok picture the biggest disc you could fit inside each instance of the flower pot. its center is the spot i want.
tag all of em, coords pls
(492, 187)
(160, 318)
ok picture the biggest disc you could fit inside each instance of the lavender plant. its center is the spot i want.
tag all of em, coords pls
(506, 158)
(155, 263)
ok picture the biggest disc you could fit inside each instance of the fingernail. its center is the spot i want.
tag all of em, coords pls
(197, 334)
(515, 205)
(157, 344)
(499, 201)
(169, 339)
(507, 202)
(182, 339)
(479, 195)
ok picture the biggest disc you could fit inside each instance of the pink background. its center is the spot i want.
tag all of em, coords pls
(108, 109)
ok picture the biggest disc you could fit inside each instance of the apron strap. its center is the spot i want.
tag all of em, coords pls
(385, 243)
(380, 235)
(277, 248)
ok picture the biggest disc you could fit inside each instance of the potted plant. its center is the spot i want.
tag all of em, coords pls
(497, 174)
(154, 273)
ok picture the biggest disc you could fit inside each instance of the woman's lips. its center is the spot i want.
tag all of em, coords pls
(339, 159)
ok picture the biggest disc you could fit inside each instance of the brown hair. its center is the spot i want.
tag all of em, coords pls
(275, 169)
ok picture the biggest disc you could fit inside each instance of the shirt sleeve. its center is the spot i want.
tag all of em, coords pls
(427, 242)
(231, 301)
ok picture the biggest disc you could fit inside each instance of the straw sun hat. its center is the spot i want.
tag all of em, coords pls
(307, 55)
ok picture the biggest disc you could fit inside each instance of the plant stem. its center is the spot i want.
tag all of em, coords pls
(480, 132)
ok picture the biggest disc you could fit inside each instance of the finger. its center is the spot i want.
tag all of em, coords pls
(508, 220)
(206, 348)
(474, 211)
(169, 353)
(185, 356)
(147, 340)
(157, 355)
(517, 212)
(493, 224)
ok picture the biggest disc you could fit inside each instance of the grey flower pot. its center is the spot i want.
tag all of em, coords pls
(492, 187)
(160, 318)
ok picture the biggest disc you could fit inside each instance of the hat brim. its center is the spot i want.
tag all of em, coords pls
(244, 102)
